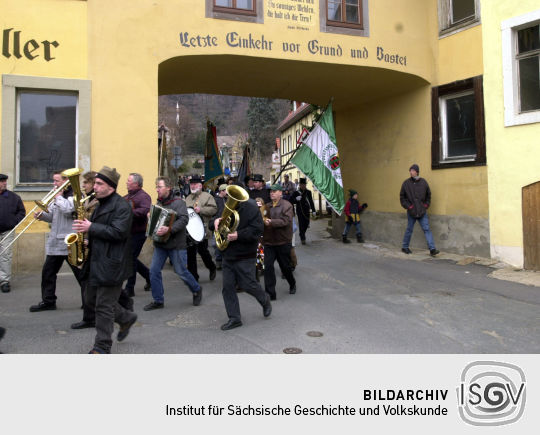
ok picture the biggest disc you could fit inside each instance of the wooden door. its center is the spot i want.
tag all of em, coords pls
(531, 226)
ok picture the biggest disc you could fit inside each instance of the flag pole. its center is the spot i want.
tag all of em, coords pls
(304, 132)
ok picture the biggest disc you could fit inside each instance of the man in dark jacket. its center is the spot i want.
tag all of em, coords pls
(110, 261)
(277, 241)
(11, 213)
(174, 247)
(259, 189)
(415, 197)
(239, 261)
(221, 199)
(304, 205)
(140, 203)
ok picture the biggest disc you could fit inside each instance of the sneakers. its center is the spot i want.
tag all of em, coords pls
(197, 298)
(153, 306)
(5, 287)
(125, 327)
(433, 252)
(406, 251)
(42, 306)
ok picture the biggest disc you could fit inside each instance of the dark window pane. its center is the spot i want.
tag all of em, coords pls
(528, 39)
(351, 13)
(460, 125)
(529, 83)
(462, 9)
(47, 135)
(244, 4)
(334, 10)
(224, 3)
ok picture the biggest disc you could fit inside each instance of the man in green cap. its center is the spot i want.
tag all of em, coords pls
(277, 241)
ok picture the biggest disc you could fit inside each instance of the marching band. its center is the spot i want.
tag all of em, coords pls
(101, 234)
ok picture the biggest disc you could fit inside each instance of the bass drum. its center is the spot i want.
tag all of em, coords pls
(195, 228)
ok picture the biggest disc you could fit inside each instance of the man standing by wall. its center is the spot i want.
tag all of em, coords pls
(11, 213)
(205, 206)
(304, 204)
(109, 261)
(140, 203)
(60, 216)
(415, 197)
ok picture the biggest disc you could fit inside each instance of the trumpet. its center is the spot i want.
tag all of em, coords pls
(43, 204)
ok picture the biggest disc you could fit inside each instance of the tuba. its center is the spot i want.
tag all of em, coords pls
(77, 254)
(229, 217)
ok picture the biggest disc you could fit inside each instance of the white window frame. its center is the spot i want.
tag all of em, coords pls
(444, 129)
(11, 85)
(446, 27)
(509, 29)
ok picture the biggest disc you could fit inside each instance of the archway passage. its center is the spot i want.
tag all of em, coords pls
(313, 82)
(531, 226)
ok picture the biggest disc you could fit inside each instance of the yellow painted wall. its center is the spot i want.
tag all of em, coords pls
(513, 153)
(63, 21)
(384, 138)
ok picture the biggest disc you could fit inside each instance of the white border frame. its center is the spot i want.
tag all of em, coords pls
(510, 73)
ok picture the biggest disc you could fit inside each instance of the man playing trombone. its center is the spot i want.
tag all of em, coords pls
(11, 213)
(61, 219)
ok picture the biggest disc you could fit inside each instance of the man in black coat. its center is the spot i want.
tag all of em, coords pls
(11, 213)
(109, 261)
(415, 197)
(304, 205)
(239, 261)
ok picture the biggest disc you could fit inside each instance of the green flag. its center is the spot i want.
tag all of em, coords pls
(318, 159)
(212, 161)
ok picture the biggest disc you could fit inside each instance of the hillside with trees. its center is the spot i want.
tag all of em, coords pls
(255, 118)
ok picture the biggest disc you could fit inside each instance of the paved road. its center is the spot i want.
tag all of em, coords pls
(361, 298)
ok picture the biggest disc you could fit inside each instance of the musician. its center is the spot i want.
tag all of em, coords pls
(174, 247)
(205, 206)
(303, 200)
(220, 198)
(11, 213)
(60, 216)
(277, 240)
(259, 189)
(109, 261)
(140, 203)
(238, 261)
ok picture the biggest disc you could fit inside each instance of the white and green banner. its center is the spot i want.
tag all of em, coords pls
(318, 159)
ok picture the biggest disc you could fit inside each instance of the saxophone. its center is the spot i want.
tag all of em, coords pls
(77, 254)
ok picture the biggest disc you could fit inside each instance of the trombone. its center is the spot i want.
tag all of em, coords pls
(43, 205)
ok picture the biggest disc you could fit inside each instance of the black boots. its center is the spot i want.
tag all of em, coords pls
(345, 240)
(359, 238)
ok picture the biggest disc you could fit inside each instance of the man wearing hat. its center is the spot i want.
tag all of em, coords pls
(205, 206)
(277, 240)
(259, 189)
(352, 217)
(415, 197)
(11, 213)
(304, 204)
(110, 260)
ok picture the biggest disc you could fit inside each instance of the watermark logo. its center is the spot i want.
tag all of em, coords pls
(491, 393)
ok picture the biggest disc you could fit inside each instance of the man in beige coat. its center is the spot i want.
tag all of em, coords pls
(205, 206)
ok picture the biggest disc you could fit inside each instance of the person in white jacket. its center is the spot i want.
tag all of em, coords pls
(60, 216)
